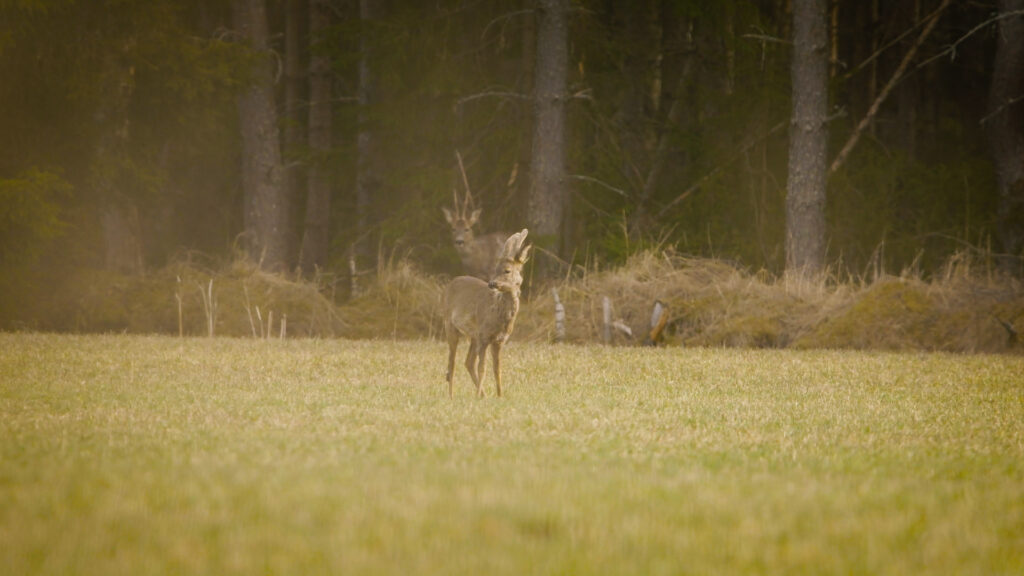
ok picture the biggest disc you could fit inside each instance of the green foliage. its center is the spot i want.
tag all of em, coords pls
(30, 215)
(127, 455)
(890, 211)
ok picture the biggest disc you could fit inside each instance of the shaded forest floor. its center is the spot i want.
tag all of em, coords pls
(966, 307)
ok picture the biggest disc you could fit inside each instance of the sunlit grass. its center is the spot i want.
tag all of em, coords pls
(133, 455)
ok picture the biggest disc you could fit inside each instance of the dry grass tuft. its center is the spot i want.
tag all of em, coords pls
(401, 302)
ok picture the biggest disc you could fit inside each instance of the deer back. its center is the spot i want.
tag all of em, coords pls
(480, 256)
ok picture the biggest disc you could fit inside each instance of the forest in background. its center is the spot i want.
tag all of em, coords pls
(128, 125)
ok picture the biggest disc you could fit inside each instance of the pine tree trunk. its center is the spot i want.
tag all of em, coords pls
(294, 96)
(366, 178)
(805, 194)
(315, 238)
(1005, 123)
(547, 165)
(266, 207)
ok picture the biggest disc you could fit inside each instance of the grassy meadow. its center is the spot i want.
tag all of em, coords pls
(160, 455)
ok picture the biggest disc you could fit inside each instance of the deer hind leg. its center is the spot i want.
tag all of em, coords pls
(453, 346)
(496, 357)
(471, 362)
(480, 368)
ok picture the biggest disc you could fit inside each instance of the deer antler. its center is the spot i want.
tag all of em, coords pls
(468, 203)
(455, 203)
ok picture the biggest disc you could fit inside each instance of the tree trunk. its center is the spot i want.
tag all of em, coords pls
(315, 238)
(805, 193)
(1005, 123)
(266, 208)
(547, 165)
(366, 177)
(293, 108)
(122, 236)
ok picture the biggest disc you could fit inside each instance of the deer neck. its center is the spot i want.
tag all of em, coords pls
(506, 306)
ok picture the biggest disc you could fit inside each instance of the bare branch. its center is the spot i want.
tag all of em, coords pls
(907, 58)
(767, 38)
(1000, 109)
(491, 94)
(951, 49)
(623, 193)
(503, 17)
(877, 53)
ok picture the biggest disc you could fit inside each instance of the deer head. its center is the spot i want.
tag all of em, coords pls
(508, 271)
(461, 220)
(477, 253)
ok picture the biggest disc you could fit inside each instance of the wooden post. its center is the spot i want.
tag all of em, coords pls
(181, 323)
(559, 317)
(606, 308)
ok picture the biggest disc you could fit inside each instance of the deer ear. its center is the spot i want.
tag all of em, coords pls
(474, 216)
(508, 250)
(524, 254)
(448, 215)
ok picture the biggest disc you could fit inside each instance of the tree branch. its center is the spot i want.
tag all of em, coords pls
(619, 191)
(490, 94)
(873, 111)
(952, 47)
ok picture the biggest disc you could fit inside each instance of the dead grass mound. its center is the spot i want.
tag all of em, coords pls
(188, 296)
(959, 311)
(966, 308)
(714, 303)
(400, 302)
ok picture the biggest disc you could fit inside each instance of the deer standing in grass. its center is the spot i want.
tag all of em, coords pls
(478, 253)
(485, 312)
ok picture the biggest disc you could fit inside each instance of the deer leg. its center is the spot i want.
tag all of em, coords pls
(453, 346)
(496, 357)
(471, 363)
(480, 368)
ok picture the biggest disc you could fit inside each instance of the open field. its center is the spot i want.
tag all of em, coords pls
(157, 455)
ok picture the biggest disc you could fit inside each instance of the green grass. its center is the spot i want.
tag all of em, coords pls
(154, 455)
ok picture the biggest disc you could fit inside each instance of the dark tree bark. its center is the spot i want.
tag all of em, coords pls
(122, 234)
(266, 207)
(805, 192)
(547, 165)
(294, 91)
(367, 181)
(315, 238)
(1005, 123)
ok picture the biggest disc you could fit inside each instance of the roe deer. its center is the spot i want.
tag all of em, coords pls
(478, 253)
(485, 312)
